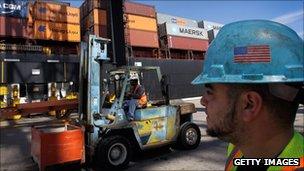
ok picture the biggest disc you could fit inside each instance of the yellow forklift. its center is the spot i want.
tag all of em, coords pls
(110, 137)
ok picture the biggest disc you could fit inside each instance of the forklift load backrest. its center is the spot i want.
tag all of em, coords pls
(155, 90)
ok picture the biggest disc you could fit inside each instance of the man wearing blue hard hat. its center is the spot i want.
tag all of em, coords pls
(253, 77)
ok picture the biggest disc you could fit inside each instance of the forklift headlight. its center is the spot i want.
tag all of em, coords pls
(116, 77)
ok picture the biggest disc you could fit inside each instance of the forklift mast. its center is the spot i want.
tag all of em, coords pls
(117, 32)
(93, 54)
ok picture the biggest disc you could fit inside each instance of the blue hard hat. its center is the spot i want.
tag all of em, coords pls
(253, 51)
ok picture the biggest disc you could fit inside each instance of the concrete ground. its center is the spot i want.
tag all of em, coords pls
(210, 155)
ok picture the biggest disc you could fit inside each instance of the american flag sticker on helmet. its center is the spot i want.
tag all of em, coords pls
(252, 54)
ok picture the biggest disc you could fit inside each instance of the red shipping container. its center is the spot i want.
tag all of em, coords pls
(88, 5)
(184, 43)
(140, 9)
(141, 38)
(57, 144)
(97, 16)
(99, 30)
(15, 27)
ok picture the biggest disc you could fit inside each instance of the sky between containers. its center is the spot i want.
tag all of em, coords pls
(289, 12)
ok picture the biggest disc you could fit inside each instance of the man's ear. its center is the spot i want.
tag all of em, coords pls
(251, 105)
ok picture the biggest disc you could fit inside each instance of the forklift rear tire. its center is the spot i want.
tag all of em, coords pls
(113, 152)
(189, 136)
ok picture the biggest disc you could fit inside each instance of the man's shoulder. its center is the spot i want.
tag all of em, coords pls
(295, 148)
(299, 140)
(230, 148)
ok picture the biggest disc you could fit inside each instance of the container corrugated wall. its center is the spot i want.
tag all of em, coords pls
(141, 34)
(88, 5)
(175, 42)
(141, 23)
(139, 9)
(164, 18)
(212, 27)
(99, 30)
(96, 17)
(56, 13)
(15, 27)
(30, 13)
(212, 34)
(182, 31)
(209, 25)
(94, 23)
(141, 38)
(56, 31)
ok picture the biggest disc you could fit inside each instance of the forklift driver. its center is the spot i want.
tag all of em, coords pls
(136, 98)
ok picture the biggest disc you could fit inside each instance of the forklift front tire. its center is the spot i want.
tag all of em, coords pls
(189, 136)
(114, 152)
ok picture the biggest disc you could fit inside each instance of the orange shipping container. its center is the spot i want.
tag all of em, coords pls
(56, 31)
(56, 12)
(96, 17)
(98, 30)
(141, 38)
(88, 5)
(30, 13)
(141, 23)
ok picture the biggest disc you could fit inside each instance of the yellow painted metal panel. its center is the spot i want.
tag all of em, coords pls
(144, 127)
(155, 129)
(3, 90)
(171, 127)
(158, 130)
(141, 23)
(57, 31)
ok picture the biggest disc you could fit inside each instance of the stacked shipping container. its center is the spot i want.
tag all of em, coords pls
(14, 20)
(11, 27)
(53, 24)
(39, 21)
(212, 27)
(176, 34)
(57, 22)
(141, 30)
(181, 38)
(93, 18)
(54, 28)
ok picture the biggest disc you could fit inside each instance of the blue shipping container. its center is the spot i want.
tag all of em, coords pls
(14, 8)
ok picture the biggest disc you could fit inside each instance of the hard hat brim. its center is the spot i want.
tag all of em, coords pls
(244, 79)
(198, 80)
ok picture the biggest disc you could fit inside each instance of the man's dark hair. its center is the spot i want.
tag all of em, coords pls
(282, 111)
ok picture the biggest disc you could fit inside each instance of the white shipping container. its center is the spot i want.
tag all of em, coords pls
(164, 18)
(182, 31)
(212, 34)
(209, 25)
